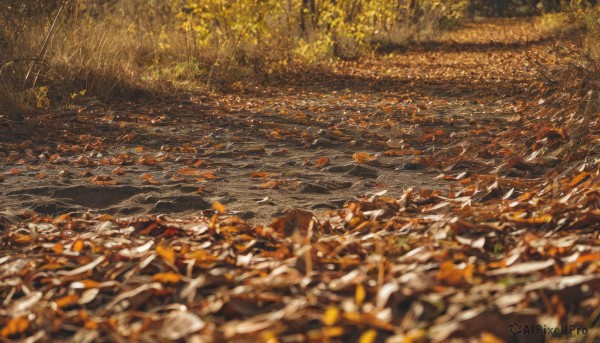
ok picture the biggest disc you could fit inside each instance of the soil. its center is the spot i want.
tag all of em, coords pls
(259, 150)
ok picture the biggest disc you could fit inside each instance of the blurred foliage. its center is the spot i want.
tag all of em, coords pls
(125, 48)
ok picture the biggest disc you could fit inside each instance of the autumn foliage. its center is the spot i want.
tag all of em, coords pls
(371, 171)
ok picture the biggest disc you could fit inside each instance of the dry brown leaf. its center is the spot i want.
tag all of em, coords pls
(179, 324)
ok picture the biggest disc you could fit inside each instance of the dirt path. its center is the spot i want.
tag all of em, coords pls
(310, 141)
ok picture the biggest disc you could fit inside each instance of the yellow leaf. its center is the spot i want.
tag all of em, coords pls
(167, 254)
(542, 219)
(167, 277)
(201, 256)
(77, 246)
(331, 316)
(333, 331)
(15, 326)
(360, 294)
(368, 336)
(415, 335)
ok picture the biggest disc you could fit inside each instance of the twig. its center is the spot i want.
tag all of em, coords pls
(45, 45)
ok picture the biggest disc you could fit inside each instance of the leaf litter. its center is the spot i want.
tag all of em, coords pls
(514, 238)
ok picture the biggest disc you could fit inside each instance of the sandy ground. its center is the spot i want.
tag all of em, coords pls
(261, 150)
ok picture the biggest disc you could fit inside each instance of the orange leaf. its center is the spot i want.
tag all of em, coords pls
(89, 283)
(322, 162)
(220, 208)
(58, 248)
(149, 178)
(362, 157)
(589, 257)
(189, 171)
(15, 326)
(67, 300)
(453, 276)
(118, 171)
(167, 277)
(542, 219)
(51, 266)
(578, 179)
(147, 160)
(90, 324)
(77, 246)
(167, 254)
(270, 184)
(208, 175)
(21, 239)
(260, 173)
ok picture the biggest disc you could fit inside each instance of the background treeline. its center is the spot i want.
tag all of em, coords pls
(57, 50)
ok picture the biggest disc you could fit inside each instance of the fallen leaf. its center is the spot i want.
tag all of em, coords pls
(166, 277)
(331, 316)
(368, 336)
(15, 326)
(272, 184)
(179, 324)
(523, 268)
(362, 157)
(220, 208)
(167, 254)
(322, 162)
(149, 178)
(77, 246)
(360, 294)
(118, 171)
(67, 300)
(21, 238)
